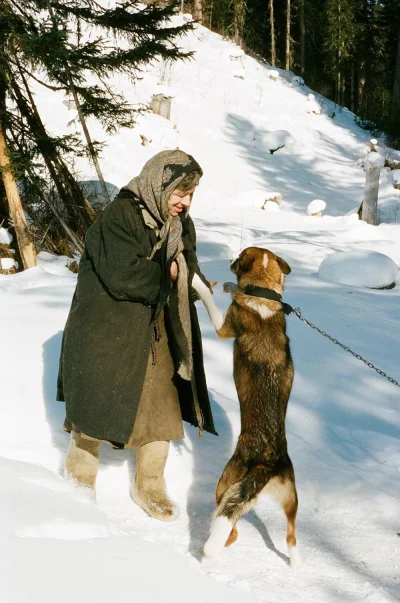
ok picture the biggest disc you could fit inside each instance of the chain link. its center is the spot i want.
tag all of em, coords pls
(298, 313)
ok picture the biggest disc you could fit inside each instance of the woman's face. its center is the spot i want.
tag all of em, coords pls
(180, 201)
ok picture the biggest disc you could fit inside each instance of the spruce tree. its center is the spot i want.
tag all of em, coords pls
(73, 46)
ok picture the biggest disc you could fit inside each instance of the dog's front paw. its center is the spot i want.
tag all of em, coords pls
(217, 319)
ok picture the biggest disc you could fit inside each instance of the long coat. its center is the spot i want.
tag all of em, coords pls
(108, 334)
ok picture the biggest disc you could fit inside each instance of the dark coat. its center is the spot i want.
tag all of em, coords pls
(108, 334)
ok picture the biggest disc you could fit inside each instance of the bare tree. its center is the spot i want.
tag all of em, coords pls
(272, 25)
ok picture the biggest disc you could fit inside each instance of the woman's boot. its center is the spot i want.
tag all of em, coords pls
(82, 461)
(148, 489)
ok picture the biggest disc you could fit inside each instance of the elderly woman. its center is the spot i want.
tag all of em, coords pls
(131, 364)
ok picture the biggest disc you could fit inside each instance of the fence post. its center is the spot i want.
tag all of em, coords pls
(373, 164)
(161, 105)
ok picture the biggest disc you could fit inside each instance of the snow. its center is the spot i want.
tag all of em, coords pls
(316, 206)
(167, 91)
(273, 74)
(374, 159)
(275, 139)
(5, 237)
(236, 53)
(395, 174)
(343, 418)
(359, 268)
(7, 263)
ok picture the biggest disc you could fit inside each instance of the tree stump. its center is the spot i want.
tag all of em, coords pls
(161, 105)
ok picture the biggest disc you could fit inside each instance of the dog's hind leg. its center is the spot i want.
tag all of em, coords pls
(234, 471)
(237, 500)
(283, 489)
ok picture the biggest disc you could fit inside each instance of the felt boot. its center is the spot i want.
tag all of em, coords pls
(82, 461)
(148, 489)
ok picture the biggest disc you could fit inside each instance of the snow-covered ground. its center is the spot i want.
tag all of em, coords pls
(343, 422)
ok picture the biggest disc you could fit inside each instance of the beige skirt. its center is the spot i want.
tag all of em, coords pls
(159, 415)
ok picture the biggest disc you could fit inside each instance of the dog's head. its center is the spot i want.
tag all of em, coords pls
(261, 268)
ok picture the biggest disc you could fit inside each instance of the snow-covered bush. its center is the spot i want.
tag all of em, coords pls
(359, 268)
(316, 207)
(395, 178)
(239, 72)
(8, 264)
(5, 237)
(272, 201)
(313, 105)
(297, 81)
(273, 74)
(236, 54)
(273, 141)
(156, 130)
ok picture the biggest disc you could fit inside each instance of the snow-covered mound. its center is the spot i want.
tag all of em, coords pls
(359, 269)
(316, 206)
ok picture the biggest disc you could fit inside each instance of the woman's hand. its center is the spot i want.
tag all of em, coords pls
(174, 271)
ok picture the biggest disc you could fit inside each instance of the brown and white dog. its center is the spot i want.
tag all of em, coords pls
(263, 374)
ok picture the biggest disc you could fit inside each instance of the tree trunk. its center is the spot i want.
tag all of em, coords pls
(287, 58)
(352, 105)
(272, 25)
(361, 88)
(302, 38)
(74, 239)
(198, 11)
(26, 247)
(396, 87)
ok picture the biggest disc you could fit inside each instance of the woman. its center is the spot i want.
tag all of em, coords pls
(131, 364)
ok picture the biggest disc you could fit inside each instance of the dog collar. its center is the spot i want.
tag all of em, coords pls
(263, 292)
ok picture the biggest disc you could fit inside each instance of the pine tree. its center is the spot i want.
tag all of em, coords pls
(341, 31)
(62, 44)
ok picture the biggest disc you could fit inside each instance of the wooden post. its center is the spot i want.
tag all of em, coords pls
(161, 105)
(26, 247)
(370, 203)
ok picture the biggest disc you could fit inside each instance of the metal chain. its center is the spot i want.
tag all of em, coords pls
(298, 313)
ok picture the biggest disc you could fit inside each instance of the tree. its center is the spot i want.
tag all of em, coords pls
(302, 37)
(339, 44)
(62, 44)
(198, 11)
(272, 30)
(287, 53)
(396, 87)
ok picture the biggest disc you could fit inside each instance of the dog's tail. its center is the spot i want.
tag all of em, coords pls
(237, 500)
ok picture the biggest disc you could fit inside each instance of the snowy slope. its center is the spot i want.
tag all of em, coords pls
(343, 421)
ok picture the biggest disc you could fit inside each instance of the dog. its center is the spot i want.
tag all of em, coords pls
(263, 373)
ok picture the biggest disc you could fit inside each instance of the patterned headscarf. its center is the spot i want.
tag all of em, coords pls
(160, 176)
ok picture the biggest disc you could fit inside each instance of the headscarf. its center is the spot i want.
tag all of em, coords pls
(160, 176)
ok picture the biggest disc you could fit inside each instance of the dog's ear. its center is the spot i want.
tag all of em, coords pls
(247, 261)
(283, 265)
